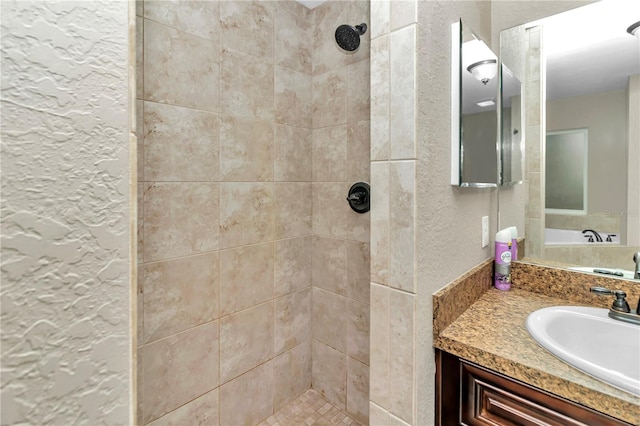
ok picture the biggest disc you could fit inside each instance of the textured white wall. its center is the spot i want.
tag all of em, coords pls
(66, 349)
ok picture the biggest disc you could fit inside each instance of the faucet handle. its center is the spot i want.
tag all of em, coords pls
(620, 304)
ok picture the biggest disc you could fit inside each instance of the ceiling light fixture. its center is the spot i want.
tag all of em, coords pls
(485, 103)
(484, 70)
(634, 29)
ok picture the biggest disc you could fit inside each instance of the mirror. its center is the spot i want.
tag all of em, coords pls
(474, 161)
(511, 129)
(589, 114)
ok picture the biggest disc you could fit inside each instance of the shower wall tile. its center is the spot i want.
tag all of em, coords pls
(180, 144)
(293, 147)
(293, 103)
(358, 93)
(380, 223)
(292, 320)
(182, 363)
(358, 391)
(140, 224)
(200, 18)
(140, 138)
(380, 19)
(139, 387)
(246, 341)
(246, 86)
(179, 294)
(329, 322)
(327, 55)
(403, 13)
(139, 305)
(330, 209)
(292, 374)
(329, 369)
(292, 265)
(401, 344)
(330, 98)
(293, 209)
(329, 265)
(379, 345)
(179, 68)
(246, 150)
(246, 277)
(380, 94)
(402, 86)
(358, 331)
(402, 225)
(201, 411)
(179, 219)
(358, 136)
(358, 12)
(243, 401)
(330, 154)
(139, 58)
(247, 27)
(358, 266)
(293, 38)
(246, 213)
(358, 224)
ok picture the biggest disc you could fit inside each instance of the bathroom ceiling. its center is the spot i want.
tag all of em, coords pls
(311, 3)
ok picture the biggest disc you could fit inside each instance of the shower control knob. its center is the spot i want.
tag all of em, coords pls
(358, 197)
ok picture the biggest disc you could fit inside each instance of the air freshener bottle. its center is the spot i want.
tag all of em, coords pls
(502, 264)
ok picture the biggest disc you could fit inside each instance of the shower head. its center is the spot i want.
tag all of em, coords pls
(348, 37)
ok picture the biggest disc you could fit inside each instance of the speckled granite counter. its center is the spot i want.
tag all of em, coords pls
(491, 333)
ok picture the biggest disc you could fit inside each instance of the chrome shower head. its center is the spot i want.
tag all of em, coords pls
(348, 37)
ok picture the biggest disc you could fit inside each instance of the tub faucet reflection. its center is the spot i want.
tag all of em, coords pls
(636, 258)
(595, 234)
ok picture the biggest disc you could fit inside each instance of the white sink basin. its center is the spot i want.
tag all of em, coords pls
(590, 341)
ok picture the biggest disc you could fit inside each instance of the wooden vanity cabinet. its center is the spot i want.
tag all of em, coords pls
(467, 394)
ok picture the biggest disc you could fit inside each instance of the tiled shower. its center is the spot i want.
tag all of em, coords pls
(253, 281)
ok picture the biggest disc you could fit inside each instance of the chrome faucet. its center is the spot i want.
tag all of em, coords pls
(636, 258)
(620, 309)
(595, 234)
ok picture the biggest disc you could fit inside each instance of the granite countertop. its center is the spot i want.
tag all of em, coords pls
(491, 332)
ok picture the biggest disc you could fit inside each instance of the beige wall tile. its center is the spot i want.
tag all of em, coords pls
(246, 213)
(358, 227)
(358, 390)
(358, 333)
(246, 277)
(179, 219)
(380, 97)
(202, 411)
(292, 265)
(358, 261)
(330, 209)
(379, 346)
(248, 399)
(179, 68)
(358, 11)
(292, 374)
(179, 294)
(402, 86)
(330, 154)
(246, 340)
(199, 18)
(293, 209)
(292, 320)
(139, 305)
(358, 151)
(246, 86)
(326, 53)
(140, 224)
(380, 18)
(247, 27)
(140, 138)
(402, 225)
(329, 322)
(330, 98)
(378, 416)
(181, 363)
(180, 144)
(329, 373)
(401, 369)
(293, 40)
(293, 104)
(358, 92)
(380, 218)
(139, 386)
(329, 265)
(403, 13)
(246, 150)
(139, 58)
(293, 154)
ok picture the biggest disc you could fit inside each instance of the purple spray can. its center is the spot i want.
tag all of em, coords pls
(502, 264)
